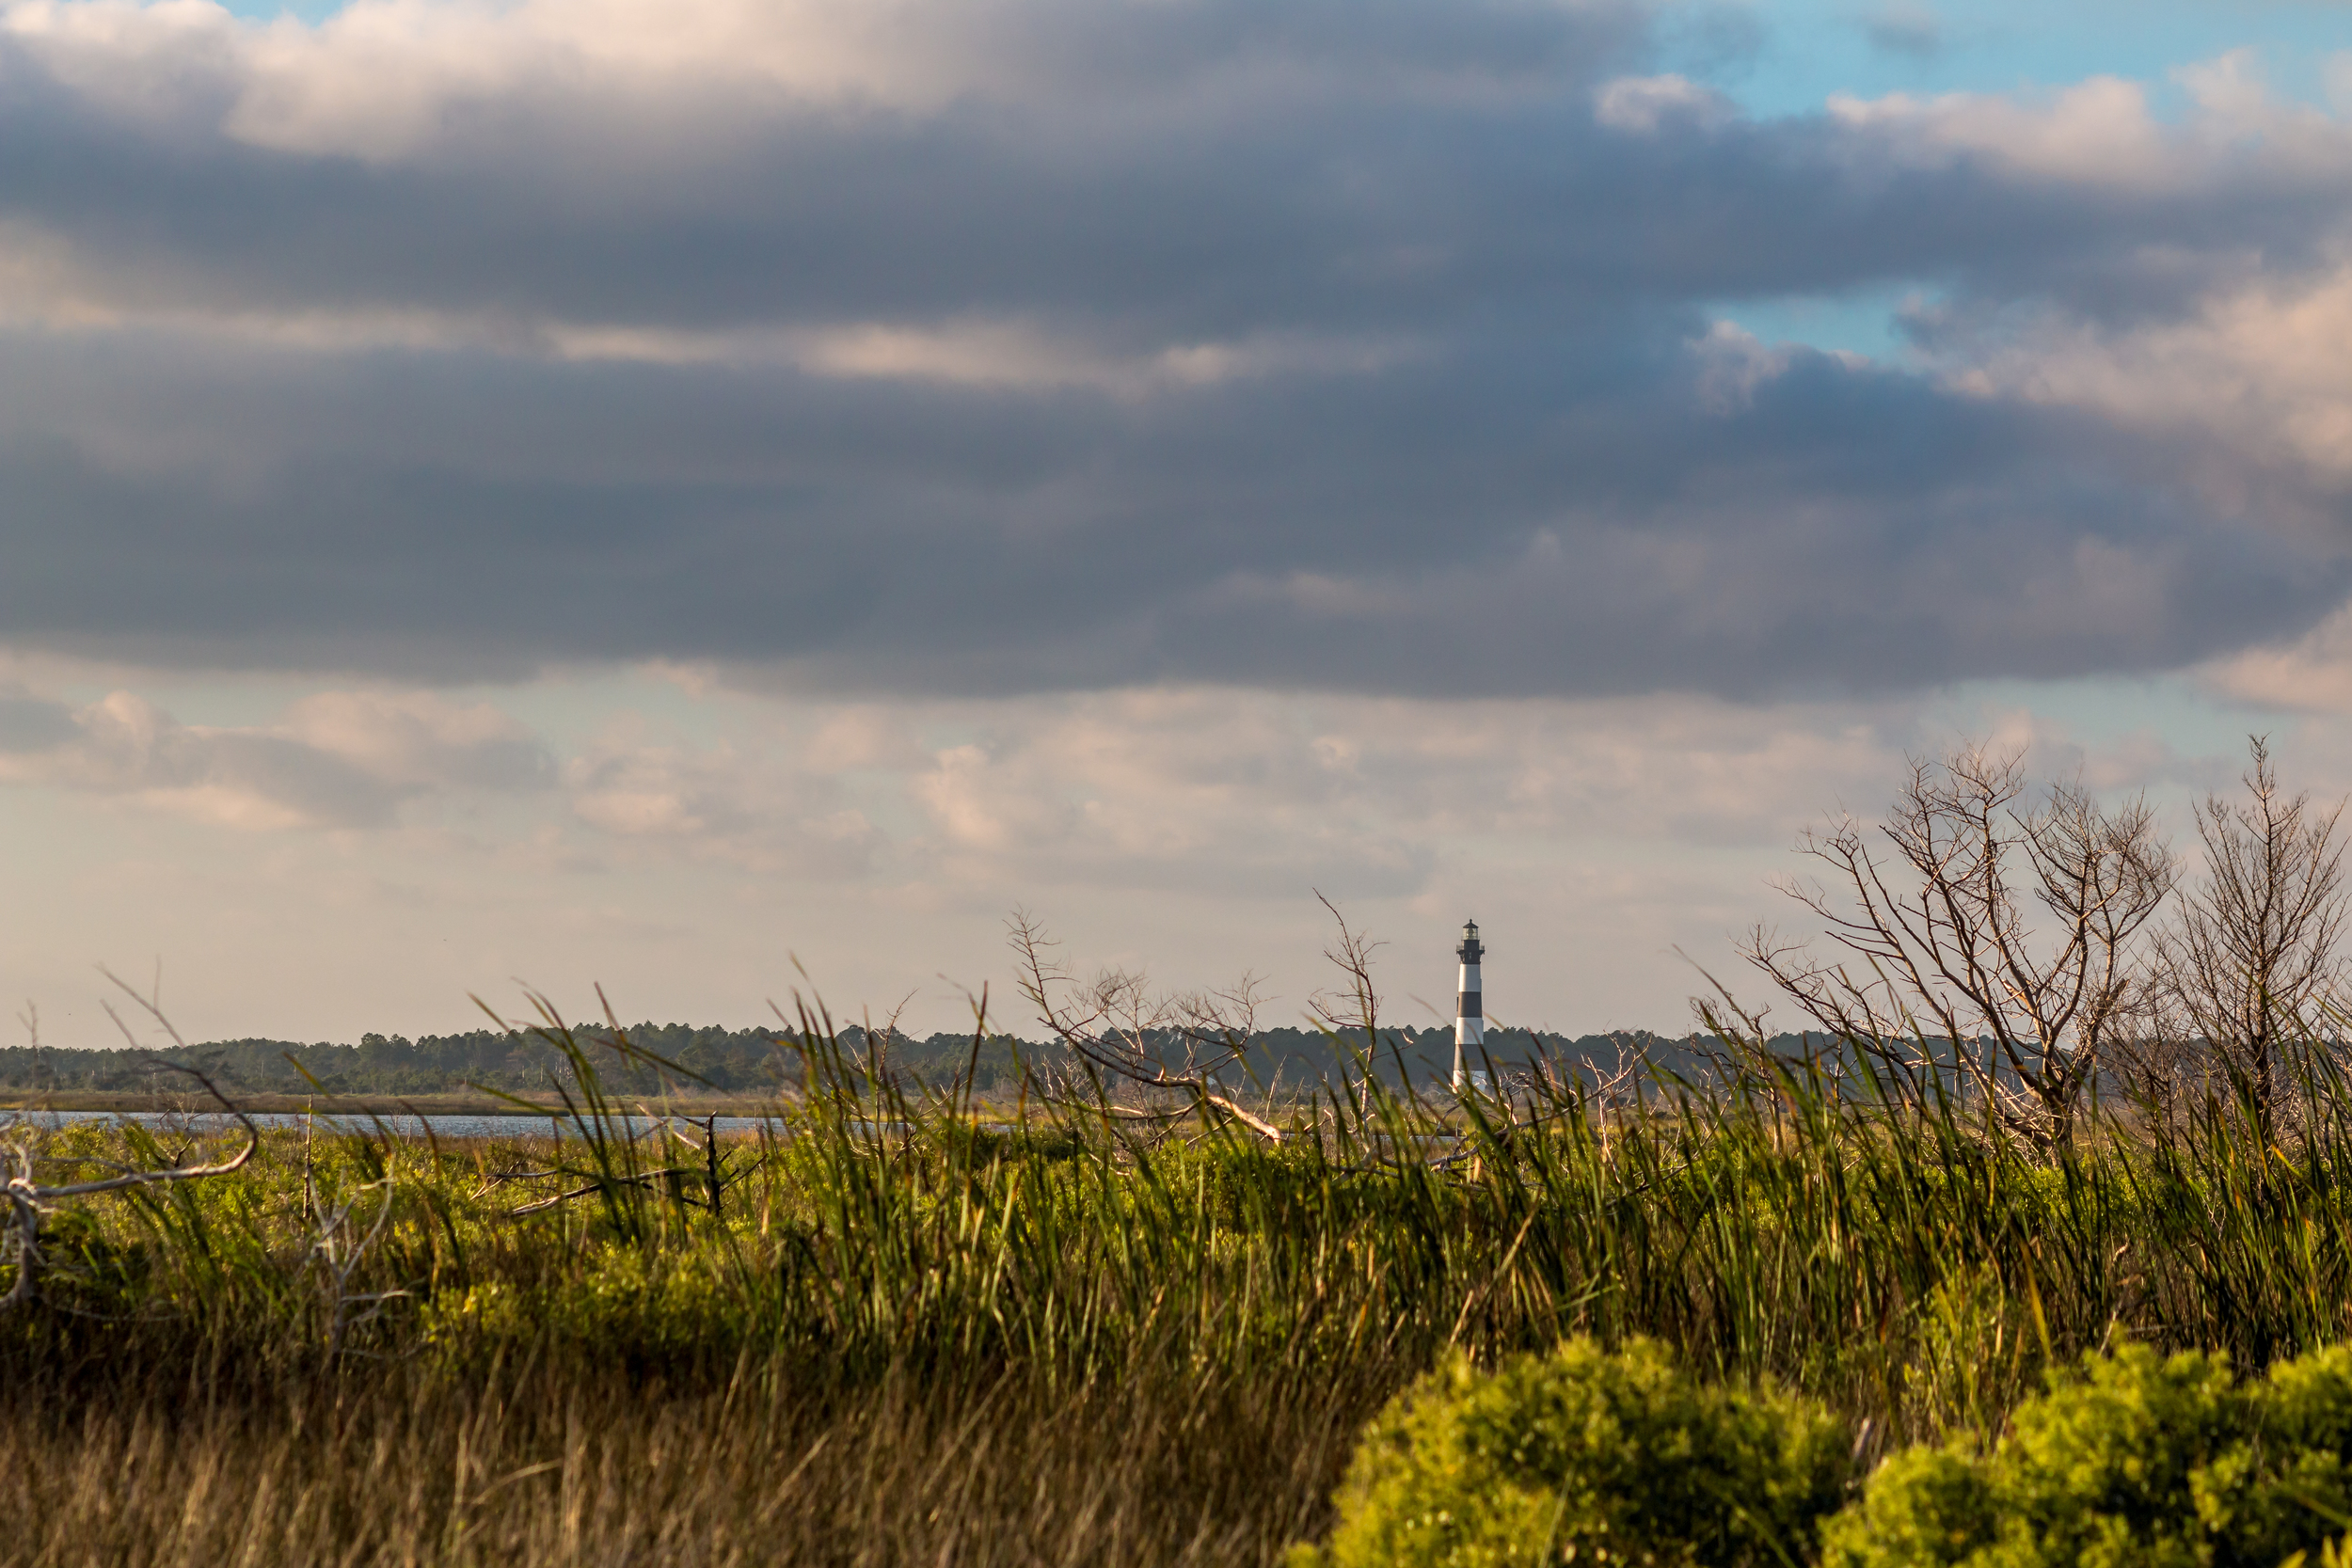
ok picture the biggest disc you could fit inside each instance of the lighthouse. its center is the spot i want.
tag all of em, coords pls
(1470, 1017)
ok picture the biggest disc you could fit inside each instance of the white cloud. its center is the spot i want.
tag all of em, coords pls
(2098, 132)
(743, 807)
(397, 80)
(1733, 363)
(1642, 103)
(420, 739)
(2311, 675)
(1133, 787)
(2102, 132)
(862, 735)
(46, 286)
(389, 79)
(1182, 829)
(1014, 354)
(337, 760)
(1370, 797)
(2265, 365)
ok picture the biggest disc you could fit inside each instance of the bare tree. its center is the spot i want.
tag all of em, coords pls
(1358, 1007)
(2250, 954)
(1355, 1009)
(1944, 972)
(1173, 1049)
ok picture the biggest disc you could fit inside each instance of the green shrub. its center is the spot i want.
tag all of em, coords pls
(1585, 1457)
(2133, 1459)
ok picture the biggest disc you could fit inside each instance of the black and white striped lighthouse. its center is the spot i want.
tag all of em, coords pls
(1470, 1016)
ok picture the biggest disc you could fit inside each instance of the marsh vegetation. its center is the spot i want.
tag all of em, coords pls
(1134, 1315)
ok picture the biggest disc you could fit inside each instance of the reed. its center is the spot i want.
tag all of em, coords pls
(889, 1327)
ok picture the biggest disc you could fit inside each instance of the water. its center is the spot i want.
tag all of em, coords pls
(440, 1125)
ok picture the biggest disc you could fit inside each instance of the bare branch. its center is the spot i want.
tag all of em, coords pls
(28, 1200)
(1170, 1046)
(1946, 980)
(2251, 955)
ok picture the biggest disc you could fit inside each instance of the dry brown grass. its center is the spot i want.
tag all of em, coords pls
(586, 1467)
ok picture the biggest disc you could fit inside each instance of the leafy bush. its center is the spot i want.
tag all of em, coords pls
(1586, 1456)
(2135, 1459)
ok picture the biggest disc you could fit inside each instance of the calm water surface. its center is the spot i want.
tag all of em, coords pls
(439, 1126)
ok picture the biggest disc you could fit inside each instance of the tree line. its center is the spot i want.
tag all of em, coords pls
(761, 1060)
(517, 1061)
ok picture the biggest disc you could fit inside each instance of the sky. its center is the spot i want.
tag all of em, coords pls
(721, 496)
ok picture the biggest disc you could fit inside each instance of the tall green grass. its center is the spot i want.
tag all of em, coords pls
(894, 1325)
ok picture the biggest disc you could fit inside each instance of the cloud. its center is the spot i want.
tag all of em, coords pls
(339, 759)
(1185, 829)
(420, 741)
(2312, 674)
(2261, 368)
(1644, 104)
(720, 804)
(1905, 29)
(1259, 796)
(1191, 791)
(1037, 346)
(33, 725)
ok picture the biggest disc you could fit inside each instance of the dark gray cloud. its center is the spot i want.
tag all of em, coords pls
(30, 723)
(1342, 348)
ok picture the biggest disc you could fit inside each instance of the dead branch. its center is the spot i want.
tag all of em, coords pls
(1169, 1045)
(644, 1178)
(2251, 954)
(337, 1252)
(1359, 1008)
(1945, 978)
(28, 1198)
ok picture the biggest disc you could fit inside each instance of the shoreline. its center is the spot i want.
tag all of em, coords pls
(362, 1104)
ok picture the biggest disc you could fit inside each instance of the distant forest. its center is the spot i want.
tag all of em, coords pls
(741, 1061)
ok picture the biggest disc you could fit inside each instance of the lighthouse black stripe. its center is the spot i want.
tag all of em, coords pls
(1466, 1005)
